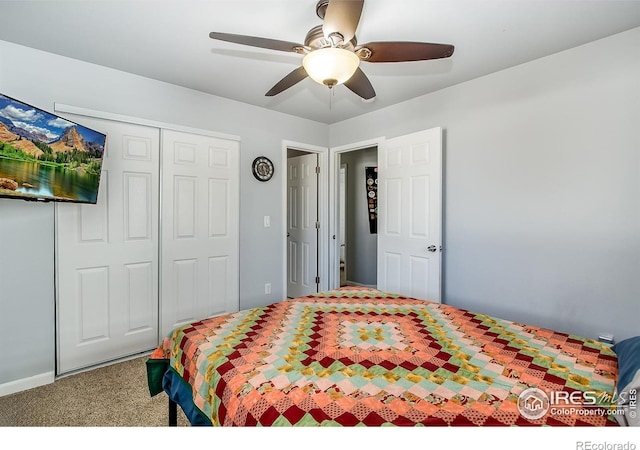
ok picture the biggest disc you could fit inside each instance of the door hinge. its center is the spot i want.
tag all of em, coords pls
(317, 169)
(317, 280)
(317, 224)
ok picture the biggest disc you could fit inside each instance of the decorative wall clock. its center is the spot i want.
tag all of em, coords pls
(262, 168)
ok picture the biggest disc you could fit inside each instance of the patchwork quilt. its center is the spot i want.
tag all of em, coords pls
(361, 357)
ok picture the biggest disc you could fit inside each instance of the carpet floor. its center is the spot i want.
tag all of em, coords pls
(112, 396)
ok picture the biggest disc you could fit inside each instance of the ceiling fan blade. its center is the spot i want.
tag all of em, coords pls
(359, 84)
(272, 44)
(294, 77)
(406, 51)
(342, 16)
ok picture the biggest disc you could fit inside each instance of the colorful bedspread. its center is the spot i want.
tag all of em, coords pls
(358, 356)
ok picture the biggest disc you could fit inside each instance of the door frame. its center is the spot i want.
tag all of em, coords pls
(333, 236)
(323, 211)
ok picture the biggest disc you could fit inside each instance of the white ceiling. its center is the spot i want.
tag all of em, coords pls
(168, 41)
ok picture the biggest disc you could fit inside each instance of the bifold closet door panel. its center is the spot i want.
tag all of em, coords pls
(107, 254)
(200, 228)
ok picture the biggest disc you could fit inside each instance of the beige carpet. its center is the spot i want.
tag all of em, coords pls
(112, 396)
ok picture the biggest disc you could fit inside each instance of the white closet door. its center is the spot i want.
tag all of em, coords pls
(107, 254)
(200, 210)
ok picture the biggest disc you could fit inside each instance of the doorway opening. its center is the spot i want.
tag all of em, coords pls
(409, 224)
(357, 221)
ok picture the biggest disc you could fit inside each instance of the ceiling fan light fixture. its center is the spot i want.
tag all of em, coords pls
(331, 65)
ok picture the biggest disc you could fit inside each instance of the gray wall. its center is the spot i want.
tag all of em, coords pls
(361, 245)
(26, 290)
(42, 79)
(542, 186)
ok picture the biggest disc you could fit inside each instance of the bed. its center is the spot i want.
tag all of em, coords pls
(362, 357)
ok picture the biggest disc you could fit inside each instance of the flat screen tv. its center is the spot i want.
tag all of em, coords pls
(44, 157)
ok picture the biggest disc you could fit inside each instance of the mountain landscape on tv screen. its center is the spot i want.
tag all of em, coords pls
(43, 156)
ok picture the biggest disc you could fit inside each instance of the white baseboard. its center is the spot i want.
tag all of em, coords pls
(26, 383)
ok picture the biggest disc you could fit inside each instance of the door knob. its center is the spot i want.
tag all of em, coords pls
(431, 248)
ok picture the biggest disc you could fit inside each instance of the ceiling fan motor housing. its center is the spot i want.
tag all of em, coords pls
(315, 39)
(321, 8)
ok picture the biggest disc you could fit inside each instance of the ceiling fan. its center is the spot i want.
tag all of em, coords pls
(332, 55)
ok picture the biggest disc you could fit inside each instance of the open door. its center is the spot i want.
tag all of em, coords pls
(302, 225)
(410, 215)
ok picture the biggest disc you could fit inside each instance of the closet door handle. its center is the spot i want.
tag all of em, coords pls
(432, 248)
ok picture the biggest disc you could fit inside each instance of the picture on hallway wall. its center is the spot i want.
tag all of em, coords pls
(371, 176)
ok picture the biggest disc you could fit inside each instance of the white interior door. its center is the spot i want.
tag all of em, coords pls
(200, 227)
(107, 255)
(302, 220)
(410, 215)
